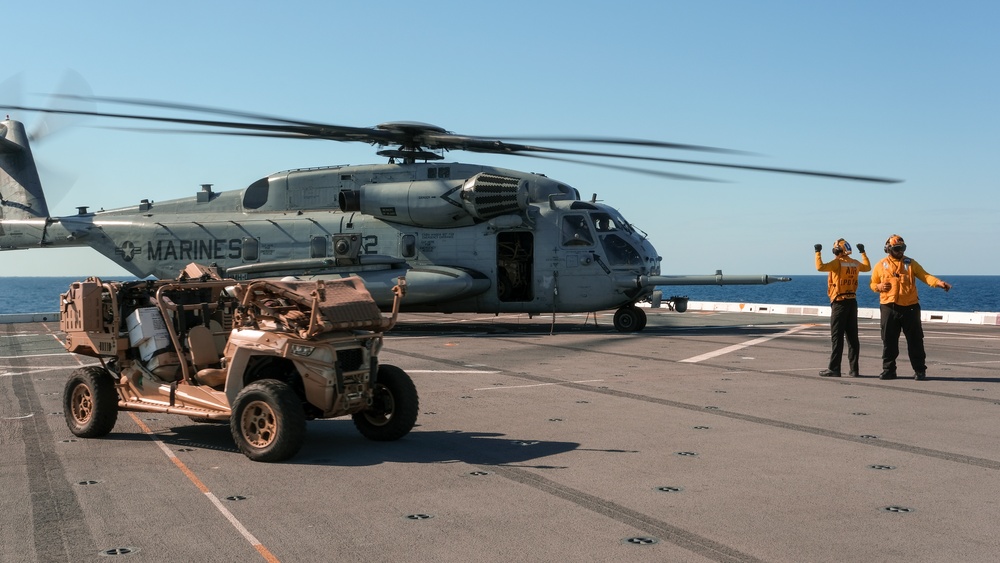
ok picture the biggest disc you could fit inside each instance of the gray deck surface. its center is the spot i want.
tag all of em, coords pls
(703, 438)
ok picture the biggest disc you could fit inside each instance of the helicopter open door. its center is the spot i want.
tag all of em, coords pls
(515, 256)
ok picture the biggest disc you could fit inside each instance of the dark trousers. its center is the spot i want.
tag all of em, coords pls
(844, 322)
(906, 319)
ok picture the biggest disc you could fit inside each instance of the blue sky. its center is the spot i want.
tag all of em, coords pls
(887, 88)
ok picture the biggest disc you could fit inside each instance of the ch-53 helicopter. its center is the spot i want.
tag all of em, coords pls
(467, 237)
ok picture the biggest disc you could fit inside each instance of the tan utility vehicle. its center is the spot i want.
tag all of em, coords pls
(264, 355)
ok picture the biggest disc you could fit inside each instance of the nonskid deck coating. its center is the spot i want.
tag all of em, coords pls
(707, 437)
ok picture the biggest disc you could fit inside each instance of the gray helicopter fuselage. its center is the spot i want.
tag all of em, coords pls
(468, 238)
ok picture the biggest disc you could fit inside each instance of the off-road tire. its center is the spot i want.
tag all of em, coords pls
(268, 422)
(90, 402)
(394, 407)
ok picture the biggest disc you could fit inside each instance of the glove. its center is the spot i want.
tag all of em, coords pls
(818, 247)
(861, 247)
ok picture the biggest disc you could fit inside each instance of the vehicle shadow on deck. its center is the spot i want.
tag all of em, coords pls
(206, 436)
(337, 443)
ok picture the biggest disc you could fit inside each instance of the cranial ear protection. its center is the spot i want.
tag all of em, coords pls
(841, 247)
(894, 242)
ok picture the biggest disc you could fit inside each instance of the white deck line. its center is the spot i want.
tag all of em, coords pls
(976, 318)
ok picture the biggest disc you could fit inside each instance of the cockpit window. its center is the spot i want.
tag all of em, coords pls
(610, 221)
(255, 195)
(620, 252)
(604, 223)
(575, 231)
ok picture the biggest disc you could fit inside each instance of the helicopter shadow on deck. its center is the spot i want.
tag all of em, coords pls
(961, 379)
(513, 329)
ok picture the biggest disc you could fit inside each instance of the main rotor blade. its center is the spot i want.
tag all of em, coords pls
(331, 132)
(504, 148)
(415, 136)
(626, 141)
(265, 134)
(193, 107)
(259, 116)
(404, 134)
(495, 146)
(647, 171)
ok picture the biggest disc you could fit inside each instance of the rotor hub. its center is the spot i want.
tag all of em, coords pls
(409, 155)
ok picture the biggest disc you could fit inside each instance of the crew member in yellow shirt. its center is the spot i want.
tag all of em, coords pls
(842, 287)
(894, 279)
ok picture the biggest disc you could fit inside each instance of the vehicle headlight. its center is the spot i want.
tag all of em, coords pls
(302, 350)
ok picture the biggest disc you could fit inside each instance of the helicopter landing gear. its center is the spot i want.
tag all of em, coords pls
(630, 319)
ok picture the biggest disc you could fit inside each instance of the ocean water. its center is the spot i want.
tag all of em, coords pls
(31, 294)
(970, 293)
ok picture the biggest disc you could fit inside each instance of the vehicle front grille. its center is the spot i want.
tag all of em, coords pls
(351, 359)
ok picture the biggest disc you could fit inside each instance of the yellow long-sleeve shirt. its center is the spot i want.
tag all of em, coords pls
(902, 275)
(842, 280)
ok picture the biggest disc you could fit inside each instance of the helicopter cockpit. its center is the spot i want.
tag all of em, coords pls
(622, 246)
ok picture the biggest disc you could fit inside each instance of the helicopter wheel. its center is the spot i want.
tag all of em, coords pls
(630, 319)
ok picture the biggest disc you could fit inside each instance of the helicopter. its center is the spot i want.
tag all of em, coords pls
(467, 237)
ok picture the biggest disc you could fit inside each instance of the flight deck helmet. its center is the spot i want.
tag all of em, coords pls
(894, 242)
(842, 247)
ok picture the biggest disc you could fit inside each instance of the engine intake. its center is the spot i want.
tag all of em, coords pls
(439, 203)
(486, 196)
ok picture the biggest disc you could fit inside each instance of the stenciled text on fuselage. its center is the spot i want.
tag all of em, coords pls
(213, 249)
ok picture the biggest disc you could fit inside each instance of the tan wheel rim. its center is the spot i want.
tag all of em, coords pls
(82, 404)
(259, 424)
(388, 404)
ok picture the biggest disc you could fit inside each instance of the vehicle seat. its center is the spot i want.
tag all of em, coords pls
(205, 357)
